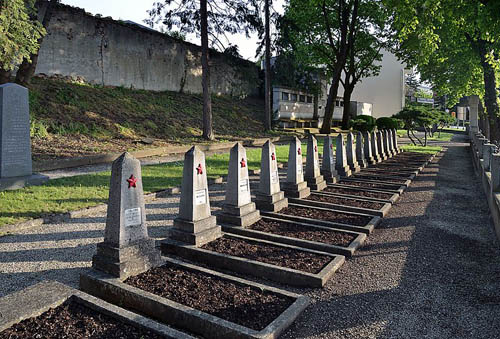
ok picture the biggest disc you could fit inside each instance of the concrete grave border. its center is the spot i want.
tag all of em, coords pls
(363, 174)
(399, 190)
(391, 200)
(345, 208)
(367, 229)
(255, 268)
(405, 184)
(37, 299)
(347, 251)
(181, 316)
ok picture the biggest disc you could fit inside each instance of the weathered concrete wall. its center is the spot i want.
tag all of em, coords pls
(108, 52)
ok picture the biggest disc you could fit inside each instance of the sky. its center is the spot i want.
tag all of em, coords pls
(135, 10)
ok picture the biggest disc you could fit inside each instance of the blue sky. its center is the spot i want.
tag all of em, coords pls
(135, 10)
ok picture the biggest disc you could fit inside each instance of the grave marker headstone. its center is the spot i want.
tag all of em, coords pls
(487, 151)
(351, 154)
(313, 174)
(368, 148)
(395, 141)
(385, 143)
(328, 166)
(269, 197)
(295, 186)
(127, 249)
(195, 224)
(360, 151)
(380, 145)
(375, 150)
(341, 157)
(15, 145)
(390, 142)
(238, 208)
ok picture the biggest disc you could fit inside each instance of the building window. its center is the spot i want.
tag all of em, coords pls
(302, 98)
(294, 97)
(309, 99)
(341, 104)
(337, 103)
(285, 96)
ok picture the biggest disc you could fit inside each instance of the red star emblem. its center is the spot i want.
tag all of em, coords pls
(273, 157)
(315, 148)
(199, 169)
(243, 163)
(132, 181)
(299, 151)
(331, 146)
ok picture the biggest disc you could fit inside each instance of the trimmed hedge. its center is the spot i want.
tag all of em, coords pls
(387, 123)
(363, 123)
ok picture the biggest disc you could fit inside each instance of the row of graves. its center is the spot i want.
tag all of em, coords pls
(296, 231)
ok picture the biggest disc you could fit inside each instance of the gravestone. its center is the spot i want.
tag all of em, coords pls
(195, 224)
(395, 141)
(380, 145)
(352, 161)
(269, 196)
(367, 145)
(295, 186)
(238, 208)
(390, 142)
(375, 150)
(313, 174)
(360, 151)
(341, 158)
(127, 249)
(385, 143)
(15, 145)
(488, 150)
(328, 166)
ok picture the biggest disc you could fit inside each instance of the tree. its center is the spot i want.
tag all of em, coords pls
(414, 116)
(455, 45)
(267, 84)
(321, 32)
(18, 34)
(207, 18)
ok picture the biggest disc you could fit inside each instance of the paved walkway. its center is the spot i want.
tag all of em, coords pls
(432, 268)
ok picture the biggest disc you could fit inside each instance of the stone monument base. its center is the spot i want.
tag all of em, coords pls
(330, 178)
(14, 183)
(317, 183)
(272, 203)
(297, 190)
(383, 157)
(196, 233)
(242, 216)
(344, 171)
(126, 261)
(354, 168)
(362, 163)
(371, 161)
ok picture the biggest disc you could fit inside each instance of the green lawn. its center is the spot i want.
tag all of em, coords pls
(421, 149)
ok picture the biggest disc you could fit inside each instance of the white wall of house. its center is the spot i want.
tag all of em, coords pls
(386, 91)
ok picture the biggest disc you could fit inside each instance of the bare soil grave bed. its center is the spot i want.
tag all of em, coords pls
(345, 201)
(364, 184)
(73, 320)
(360, 193)
(322, 214)
(380, 177)
(410, 175)
(227, 300)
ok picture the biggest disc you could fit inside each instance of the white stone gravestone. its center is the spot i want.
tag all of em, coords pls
(375, 150)
(367, 145)
(313, 174)
(295, 186)
(328, 166)
(341, 158)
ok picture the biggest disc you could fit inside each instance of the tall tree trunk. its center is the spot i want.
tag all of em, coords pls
(330, 104)
(205, 80)
(346, 116)
(490, 94)
(4, 76)
(267, 123)
(27, 68)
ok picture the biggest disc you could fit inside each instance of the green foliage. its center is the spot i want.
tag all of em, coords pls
(363, 123)
(19, 34)
(387, 123)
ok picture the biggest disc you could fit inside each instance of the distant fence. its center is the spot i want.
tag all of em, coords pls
(487, 165)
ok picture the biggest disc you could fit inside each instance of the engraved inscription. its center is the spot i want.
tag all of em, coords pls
(200, 197)
(133, 217)
(244, 185)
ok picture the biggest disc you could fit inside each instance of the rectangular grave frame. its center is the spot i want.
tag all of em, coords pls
(182, 316)
(393, 199)
(382, 171)
(279, 274)
(367, 175)
(347, 251)
(37, 299)
(399, 191)
(367, 229)
(405, 184)
(345, 208)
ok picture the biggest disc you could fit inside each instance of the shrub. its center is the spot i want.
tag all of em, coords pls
(363, 123)
(387, 123)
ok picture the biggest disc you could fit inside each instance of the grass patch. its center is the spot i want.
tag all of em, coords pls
(421, 149)
(443, 136)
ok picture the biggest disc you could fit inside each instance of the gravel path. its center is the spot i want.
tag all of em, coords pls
(430, 270)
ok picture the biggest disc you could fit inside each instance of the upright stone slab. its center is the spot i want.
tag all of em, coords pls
(395, 141)
(488, 150)
(313, 174)
(495, 172)
(238, 208)
(375, 149)
(269, 197)
(380, 145)
(352, 161)
(474, 113)
(295, 186)
(341, 158)
(389, 141)
(385, 143)
(360, 151)
(15, 145)
(328, 166)
(195, 224)
(367, 145)
(127, 249)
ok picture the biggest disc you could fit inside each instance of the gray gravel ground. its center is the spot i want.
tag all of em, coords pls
(430, 270)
